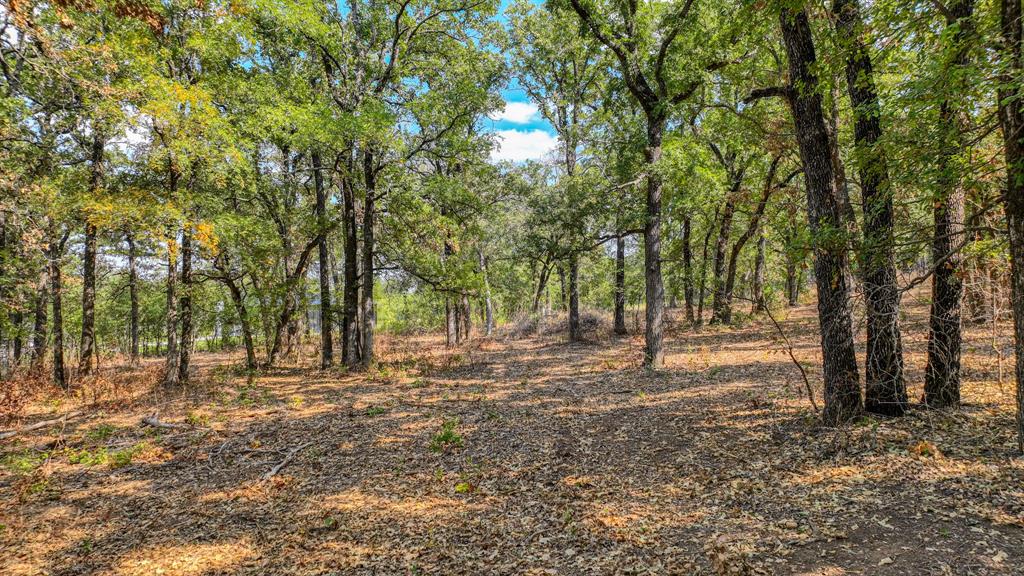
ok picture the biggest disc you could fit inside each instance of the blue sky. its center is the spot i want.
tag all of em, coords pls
(521, 132)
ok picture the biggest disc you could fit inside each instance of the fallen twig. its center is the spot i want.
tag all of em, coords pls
(45, 423)
(280, 465)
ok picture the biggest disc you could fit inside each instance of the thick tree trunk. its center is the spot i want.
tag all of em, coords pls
(171, 366)
(942, 374)
(760, 304)
(133, 297)
(654, 354)
(885, 389)
(185, 307)
(56, 296)
(87, 344)
(620, 285)
(688, 271)
(575, 333)
(368, 308)
(826, 215)
(326, 318)
(350, 320)
(1011, 114)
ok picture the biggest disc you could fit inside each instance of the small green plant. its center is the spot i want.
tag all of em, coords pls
(447, 436)
(463, 488)
(100, 433)
(295, 402)
(24, 462)
(375, 411)
(197, 419)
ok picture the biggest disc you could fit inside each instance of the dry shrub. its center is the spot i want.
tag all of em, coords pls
(16, 393)
(594, 324)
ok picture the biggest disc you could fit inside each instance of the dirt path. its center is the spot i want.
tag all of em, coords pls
(524, 457)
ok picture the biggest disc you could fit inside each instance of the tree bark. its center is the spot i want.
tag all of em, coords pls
(56, 296)
(171, 366)
(87, 343)
(942, 373)
(40, 320)
(349, 332)
(620, 285)
(753, 227)
(488, 304)
(222, 264)
(721, 312)
(185, 307)
(760, 304)
(826, 216)
(702, 284)
(1011, 115)
(575, 332)
(326, 317)
(133, 297)
(368, 308)
(885, 389)
(654, 354)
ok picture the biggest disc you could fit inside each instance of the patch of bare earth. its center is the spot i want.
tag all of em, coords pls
(525, 457)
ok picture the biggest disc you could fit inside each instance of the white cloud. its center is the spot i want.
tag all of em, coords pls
(516, 113)
(519, 145)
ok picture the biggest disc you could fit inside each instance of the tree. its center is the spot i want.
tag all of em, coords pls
(648, 71)
(827, 217)
(942, 374)
(885, 390)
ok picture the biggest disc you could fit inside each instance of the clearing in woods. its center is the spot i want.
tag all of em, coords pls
(524, 456)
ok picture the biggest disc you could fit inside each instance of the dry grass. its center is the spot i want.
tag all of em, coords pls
(522, 456)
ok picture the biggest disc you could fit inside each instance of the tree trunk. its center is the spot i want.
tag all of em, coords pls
(223, 266)
(349, 337)
(575, 332)
(688, 270)
(133, 297)
(721, 310)
(620, 285)
(654, 354)
(467, 317)
(562, 303)
(702, 284)
(942, 374)
(369, 310)
(760, 305)
(885, 390)
(488, 305)
(1011, 115)
(185, 307)
(326, 319)
(87, 345)
(171, 366)
(828, 228)
(39, 323)
(56, 295)
(753, 226)
(88, 340)
(541, 285)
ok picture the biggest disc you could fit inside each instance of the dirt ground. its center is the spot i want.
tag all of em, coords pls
(521, 457)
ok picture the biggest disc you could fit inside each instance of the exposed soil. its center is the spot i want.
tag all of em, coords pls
(522, 457)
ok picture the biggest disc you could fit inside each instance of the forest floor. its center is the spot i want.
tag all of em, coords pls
(526, 456)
